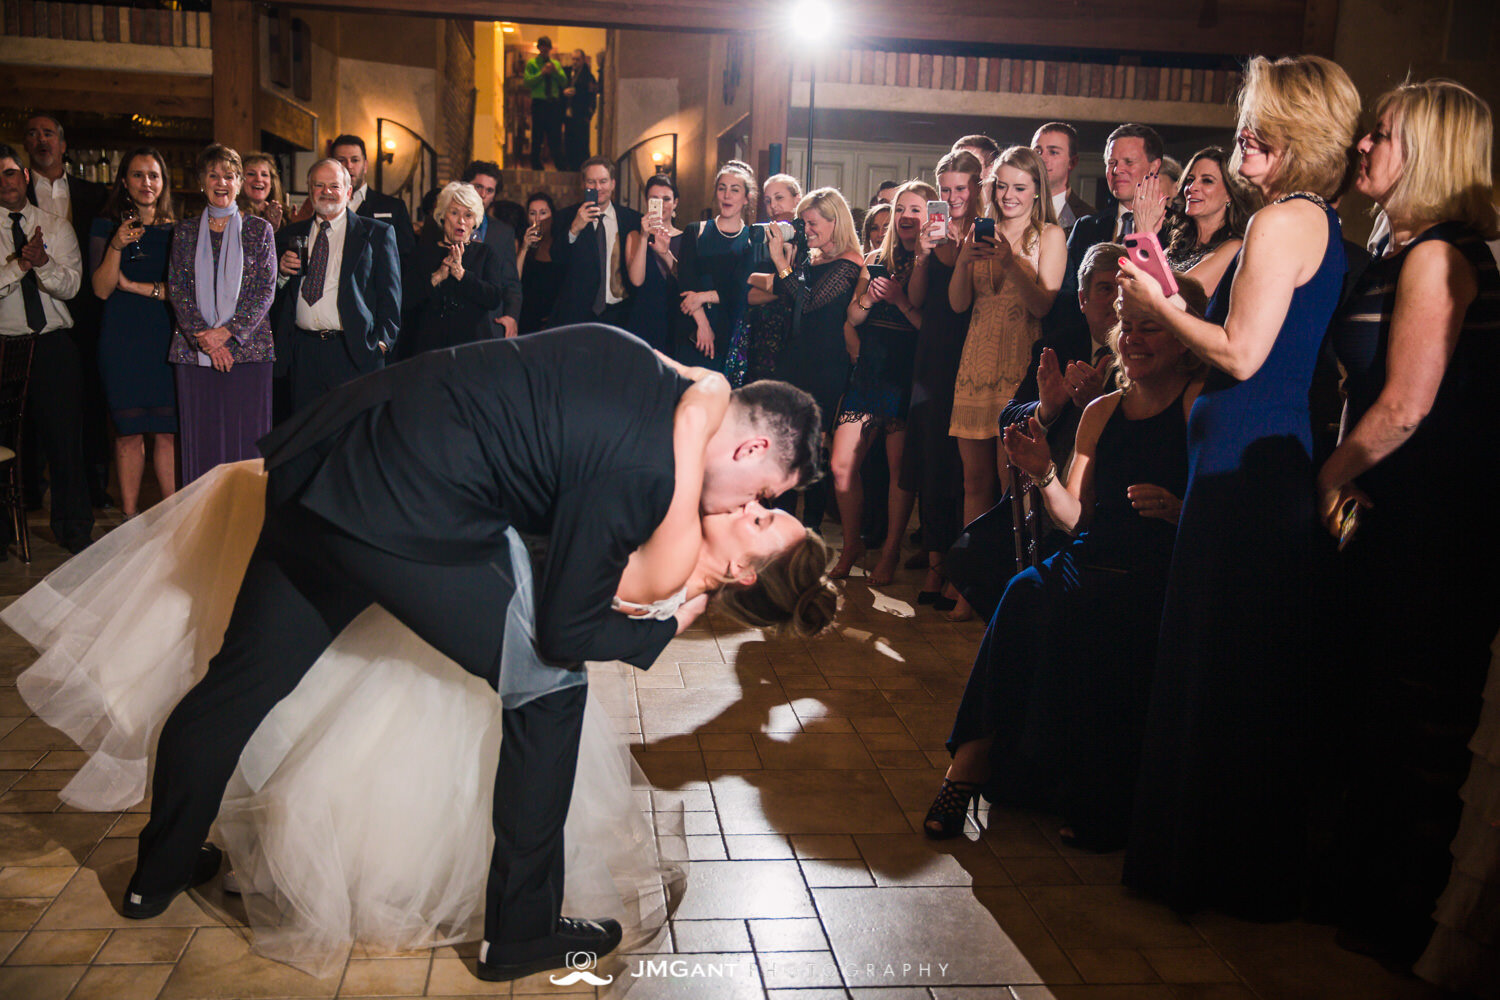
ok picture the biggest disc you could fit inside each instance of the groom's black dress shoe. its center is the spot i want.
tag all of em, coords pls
(140, 907)
(513, 960)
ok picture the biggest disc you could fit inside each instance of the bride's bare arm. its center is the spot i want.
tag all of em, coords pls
(660, 568)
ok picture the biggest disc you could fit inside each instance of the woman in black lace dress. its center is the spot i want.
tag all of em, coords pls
(819, 289)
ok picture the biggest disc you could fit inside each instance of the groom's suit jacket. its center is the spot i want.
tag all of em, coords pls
(566, 434)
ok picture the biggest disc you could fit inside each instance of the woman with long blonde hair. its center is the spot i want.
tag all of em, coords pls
(1011, 282)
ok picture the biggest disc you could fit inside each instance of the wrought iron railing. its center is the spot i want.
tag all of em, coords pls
(656, 154)
(405, 163)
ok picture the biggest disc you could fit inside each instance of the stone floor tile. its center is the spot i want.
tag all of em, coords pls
(28, 802)
(19, 760)
(827, 724)
(130, 825)
(904, 860)
(824, 993)
(1112, 965)
(8, 942)
(34, 882)
(798, 969)
(788, 935)
(670, 768)
(957, 941)
(1040, 871)
(824, 874)
(1090, 916)
(21, 914)
(454, 977)
(92, 898)
(807, 802)
(58, 948)
(1095, 992)
(385, 977)
(130, 945)
(218, 963)
(896, 993)
(689, 936)
(824, 845)
(887, 741)
(726, 741)
(54, 840)
(758, 847)
(809, 751)
(719, 890)
(718, 761)
(122, 982)
(42, 781)
(1189, 965)
(700, 824)
(901, 760)
(39, 982)
(31, 734)
(698, 799)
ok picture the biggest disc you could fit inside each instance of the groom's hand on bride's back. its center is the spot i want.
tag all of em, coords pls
(690, 611)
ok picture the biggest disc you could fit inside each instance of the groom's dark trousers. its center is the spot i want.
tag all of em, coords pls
(350, 522)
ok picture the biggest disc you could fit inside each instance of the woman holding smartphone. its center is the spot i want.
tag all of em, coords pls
(541, 276)
(715, 262)
(1421, 343)
(879, 395)
(128, 251)
(1010, 275)
(1221, 806)
(930, 466)
(651, 264)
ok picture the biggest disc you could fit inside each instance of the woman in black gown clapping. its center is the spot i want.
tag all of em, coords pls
(453, 282)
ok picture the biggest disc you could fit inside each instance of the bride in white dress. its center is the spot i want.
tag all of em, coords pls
(361, 808)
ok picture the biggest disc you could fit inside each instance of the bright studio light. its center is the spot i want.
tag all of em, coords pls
(813, 19)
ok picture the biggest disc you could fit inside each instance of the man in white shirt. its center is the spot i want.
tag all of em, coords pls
(338, 308)
(1056, 143)
(593, 287)
(41, 270)
(79, 202)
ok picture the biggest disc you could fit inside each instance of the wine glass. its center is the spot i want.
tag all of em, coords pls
(132, 215)
(299, 244)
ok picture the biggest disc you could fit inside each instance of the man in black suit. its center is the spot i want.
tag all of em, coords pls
(580, 97)
(1056, 144)
(336, 320)
(80, 202)
(501, 239)
(368, 203)
(593, 287)
(397, 489)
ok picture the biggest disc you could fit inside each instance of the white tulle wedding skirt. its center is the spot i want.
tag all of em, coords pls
(361, 807)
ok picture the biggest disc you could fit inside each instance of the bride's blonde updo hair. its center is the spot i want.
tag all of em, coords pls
(791, 595)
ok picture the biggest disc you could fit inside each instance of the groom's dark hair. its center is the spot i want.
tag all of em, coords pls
(792, 420)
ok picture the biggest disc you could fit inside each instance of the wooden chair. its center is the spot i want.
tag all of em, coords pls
(15, 375)
(1029, 518)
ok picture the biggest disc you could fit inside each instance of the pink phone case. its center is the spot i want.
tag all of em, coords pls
(1145, 252)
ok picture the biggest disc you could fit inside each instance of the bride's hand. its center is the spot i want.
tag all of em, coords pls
(690, 611)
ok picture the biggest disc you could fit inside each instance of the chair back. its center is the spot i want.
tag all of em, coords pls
(1027, 516)
(15, 373)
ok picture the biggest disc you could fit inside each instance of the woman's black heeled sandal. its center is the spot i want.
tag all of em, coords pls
(945, 817)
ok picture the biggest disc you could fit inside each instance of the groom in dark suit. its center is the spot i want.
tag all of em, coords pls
(397, 489)
(335, 321)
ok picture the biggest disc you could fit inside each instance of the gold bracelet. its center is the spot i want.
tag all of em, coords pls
(784, 274)
(156, 289)
(1046, 479)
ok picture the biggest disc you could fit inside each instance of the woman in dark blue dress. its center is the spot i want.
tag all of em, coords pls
(713, 270)
(1229, 759)
(652, 268)
(1056, 703)
(129, 247)
(1420, 340)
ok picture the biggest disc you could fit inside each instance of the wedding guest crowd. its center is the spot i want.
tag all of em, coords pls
(1255, 666)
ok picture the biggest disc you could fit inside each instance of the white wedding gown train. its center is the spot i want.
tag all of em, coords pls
(361, 809)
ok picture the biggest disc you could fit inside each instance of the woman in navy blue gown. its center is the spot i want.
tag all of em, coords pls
(652, 267)
(1229, 757)
(128, 250)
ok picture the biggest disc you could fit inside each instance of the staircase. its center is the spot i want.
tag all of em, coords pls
(565, 187)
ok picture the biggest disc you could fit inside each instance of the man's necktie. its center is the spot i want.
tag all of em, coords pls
(1127, 224)
(317, 267)
(31, 292)
(599, 300)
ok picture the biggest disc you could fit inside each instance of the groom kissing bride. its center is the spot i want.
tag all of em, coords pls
(402, 489)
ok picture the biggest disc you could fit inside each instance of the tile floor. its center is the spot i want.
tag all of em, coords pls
(800, 771)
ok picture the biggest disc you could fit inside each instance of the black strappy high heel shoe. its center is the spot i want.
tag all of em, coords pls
(945, 817)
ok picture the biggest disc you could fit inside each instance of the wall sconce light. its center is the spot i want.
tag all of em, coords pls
(388, 154)
(509, 29)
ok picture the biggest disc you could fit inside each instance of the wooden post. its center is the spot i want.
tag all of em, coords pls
(770, 97)
(236, 63)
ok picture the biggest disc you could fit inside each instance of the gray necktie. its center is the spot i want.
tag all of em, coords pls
(599, 300)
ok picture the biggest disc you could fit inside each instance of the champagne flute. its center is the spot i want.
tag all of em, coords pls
(132, 215)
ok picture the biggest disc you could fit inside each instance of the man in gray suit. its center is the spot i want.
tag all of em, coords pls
(1057, 145)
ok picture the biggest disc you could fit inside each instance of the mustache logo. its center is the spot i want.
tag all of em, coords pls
(580, 976)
